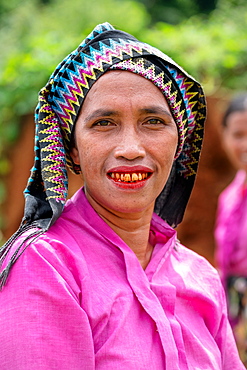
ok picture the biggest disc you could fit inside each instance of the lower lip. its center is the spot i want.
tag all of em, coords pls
(129, 185)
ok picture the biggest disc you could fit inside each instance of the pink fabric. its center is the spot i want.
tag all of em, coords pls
(78, 299)
(231, 229)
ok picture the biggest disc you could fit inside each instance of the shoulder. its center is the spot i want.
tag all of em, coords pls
(231, 192)
(190, 270)
(197, 273)
(194, 260)
(230, 202)
(41, 255)
(187, 263)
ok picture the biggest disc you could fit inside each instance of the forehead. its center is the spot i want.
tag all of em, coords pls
(237, 120)
(123, 84)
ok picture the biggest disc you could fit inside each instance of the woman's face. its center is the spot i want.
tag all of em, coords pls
(235, 139)
(126, 140)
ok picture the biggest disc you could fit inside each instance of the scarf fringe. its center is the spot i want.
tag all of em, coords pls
(6, 248)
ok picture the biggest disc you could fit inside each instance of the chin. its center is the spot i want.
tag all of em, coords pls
(132, 209)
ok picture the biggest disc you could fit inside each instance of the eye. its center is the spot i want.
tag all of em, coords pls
(103, 123)
(155, 121)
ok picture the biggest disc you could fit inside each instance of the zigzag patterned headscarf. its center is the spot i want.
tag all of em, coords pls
(58, 108)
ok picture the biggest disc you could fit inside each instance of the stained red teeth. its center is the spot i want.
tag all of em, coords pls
(128, 177)
(134, 177)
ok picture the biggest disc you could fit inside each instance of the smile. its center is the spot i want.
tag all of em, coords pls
(129, 177)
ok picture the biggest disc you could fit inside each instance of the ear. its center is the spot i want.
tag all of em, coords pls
(75, 155)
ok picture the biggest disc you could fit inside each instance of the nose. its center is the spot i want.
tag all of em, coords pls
(129, 145)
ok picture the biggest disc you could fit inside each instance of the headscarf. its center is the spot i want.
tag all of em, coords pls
(59, 104)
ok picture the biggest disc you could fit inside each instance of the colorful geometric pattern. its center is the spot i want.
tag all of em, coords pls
(62, 98)
(59, 104)
(146, 69)
(52, 152)
(49, 154)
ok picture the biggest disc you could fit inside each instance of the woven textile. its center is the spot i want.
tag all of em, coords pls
(62, 97)
(60, 102)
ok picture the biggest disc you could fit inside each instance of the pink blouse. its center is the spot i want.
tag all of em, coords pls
(231, 229)
(78, 298)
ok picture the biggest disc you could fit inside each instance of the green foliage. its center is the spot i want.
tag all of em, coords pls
(214, 51)
(176, 11)
(37, 37)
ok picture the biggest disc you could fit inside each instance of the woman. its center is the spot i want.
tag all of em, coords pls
(231, 226)
(102, 282)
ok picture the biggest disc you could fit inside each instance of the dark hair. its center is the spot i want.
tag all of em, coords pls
(238, 104)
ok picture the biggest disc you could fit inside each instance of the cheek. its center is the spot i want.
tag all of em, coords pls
(168, 148)
(165, 155)
(231, 145)
(86, 160)
(91, 159)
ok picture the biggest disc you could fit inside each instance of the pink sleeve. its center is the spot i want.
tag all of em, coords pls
(226, 341)
(42, 325)
(231, 229)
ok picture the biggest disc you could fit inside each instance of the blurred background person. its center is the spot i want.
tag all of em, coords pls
(231, 220)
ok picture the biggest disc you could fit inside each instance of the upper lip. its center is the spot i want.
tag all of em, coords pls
(130, 169)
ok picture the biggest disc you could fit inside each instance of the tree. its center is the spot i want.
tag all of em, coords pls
(176, 11)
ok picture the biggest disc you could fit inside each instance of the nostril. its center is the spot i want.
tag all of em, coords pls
(130, 152)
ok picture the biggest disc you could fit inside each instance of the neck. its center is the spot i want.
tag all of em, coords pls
(135, 233)
(132, 228)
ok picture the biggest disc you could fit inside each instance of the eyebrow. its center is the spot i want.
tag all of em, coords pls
(100, 113)
(156, 110)
(110, 113)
